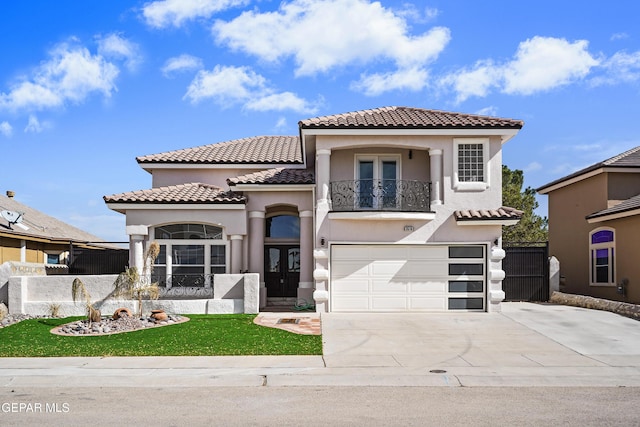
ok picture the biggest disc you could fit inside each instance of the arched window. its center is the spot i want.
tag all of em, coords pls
(189, 254)
(602, 256)
(283, 227)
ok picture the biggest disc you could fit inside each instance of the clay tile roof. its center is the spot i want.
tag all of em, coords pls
(183, 193)
(406, 117)
(501, 213)
(625, 206)
(258, 149)
(275, 176)
(628, 159)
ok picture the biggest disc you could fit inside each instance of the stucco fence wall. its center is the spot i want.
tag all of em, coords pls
(233, 293)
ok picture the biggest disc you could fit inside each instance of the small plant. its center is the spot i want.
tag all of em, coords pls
(130, 284)
(3, 310)
(54, 309)
(79, 291)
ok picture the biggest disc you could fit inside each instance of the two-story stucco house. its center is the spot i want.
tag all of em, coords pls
(389, 209)
(594, 228)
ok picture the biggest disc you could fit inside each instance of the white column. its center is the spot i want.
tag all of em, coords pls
(305, 288)
(256, 250)
(137, 235)
(323, 167)
(236, 253)
(136, 246)
(436, 176)
(23, 251)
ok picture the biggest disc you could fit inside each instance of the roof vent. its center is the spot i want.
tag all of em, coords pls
(10, 194)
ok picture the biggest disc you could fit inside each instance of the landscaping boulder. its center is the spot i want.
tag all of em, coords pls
(622, 308)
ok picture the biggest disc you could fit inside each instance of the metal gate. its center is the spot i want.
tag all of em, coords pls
(526, 268)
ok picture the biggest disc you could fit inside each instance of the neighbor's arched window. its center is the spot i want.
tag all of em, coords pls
(602, 245)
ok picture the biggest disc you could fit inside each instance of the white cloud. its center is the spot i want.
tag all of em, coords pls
(478, 81)
(181, 63)
(488, 111)
(533, 166)
(413, 79)
(321, 35)
(543, 63)
(115, 46)
(6, 129)
(229, 85)
(280, 102)
(539, 64)
(619, 36)
(281, 123)
(166, 13)
(70, 75)
(622, 67)
(34, 125)
(225, 84)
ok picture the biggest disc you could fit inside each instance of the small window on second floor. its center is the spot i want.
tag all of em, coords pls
(471, 170)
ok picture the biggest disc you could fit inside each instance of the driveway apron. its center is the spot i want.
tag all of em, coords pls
(523, 335)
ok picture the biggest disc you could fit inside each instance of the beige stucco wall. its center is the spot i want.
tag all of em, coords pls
(628, 258)
(343, 162)
(261, 200)
(569, 230)
(232, 220)
(569, 233)
(622, 186)
(218, 176)
(444, 227)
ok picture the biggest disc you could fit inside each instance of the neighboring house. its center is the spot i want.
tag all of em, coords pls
(594, 228)
(33, 243)
(34, 237)
(389, 209)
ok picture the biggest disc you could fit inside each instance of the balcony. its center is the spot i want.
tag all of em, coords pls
(386, 195)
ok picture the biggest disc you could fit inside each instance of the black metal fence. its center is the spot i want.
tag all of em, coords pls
(526, 268)
(98, 261)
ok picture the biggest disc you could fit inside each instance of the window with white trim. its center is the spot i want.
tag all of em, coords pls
(471, 164)
(189, 254)
(602, 245)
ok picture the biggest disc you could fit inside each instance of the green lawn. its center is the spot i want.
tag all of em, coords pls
(203, 335)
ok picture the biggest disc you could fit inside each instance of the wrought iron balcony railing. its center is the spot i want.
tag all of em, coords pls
(381, 195)
(179, 286)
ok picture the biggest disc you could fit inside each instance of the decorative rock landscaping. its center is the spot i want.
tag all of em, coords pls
(109, 325)
(10, 319)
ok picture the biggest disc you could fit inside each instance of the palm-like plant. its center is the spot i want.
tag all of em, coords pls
(79, 291)
(130, 284)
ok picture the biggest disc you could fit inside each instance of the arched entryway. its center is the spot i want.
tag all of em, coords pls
(282, 260)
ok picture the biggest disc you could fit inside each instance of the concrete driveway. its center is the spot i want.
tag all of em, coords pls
(526, 340)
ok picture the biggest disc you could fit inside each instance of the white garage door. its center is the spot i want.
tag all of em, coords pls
(407, 277)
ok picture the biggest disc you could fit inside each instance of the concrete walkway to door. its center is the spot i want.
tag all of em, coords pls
(526, 344)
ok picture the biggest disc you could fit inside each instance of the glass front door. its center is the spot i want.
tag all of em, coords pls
(281, 270)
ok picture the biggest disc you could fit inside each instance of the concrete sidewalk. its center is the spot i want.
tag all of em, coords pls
(525, 345)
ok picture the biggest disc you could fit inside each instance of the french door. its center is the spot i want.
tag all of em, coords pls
(281, 270)
(377, 182)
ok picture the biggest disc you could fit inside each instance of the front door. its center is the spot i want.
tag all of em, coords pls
(281, 270)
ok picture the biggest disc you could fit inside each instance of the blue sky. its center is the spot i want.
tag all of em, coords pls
(85, 87)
